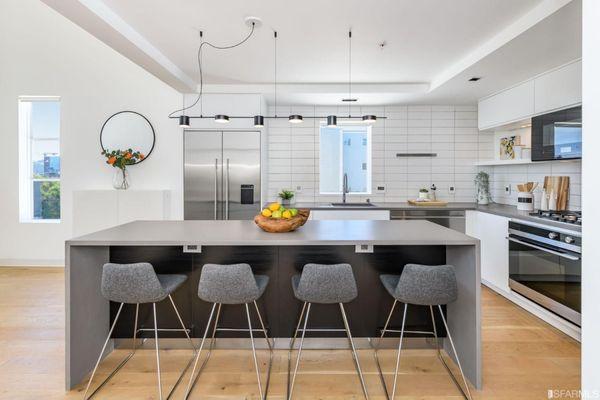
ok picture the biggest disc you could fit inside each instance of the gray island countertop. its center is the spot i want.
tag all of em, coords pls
(240, 233)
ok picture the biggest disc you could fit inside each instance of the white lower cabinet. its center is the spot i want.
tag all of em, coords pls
(350, 214)
(491, 230)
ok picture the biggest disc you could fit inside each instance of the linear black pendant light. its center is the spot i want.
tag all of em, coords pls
(259, 120)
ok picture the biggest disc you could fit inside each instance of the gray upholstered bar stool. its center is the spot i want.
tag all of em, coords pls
(231, 284)
(323, 284)
(138, 284)
(427, 285)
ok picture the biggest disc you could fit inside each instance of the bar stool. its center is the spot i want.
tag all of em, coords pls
(233, 284)
(138, 284)
(428, 285)
(323, 284)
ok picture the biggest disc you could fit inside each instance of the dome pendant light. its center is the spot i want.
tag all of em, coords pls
(184, 121)
(222, 119)
(259, 121)
(331, 121)
(295, 119)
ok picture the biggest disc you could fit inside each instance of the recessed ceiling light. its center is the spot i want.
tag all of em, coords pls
(475, 79)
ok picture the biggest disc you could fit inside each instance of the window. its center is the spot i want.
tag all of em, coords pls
(39, 159)
(345, 150)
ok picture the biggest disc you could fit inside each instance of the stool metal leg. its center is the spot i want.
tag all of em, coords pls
(254, 351)
(191, 344)
(354, 354)
(192, 380)
(399, 350)
(157, 353)
(270, 348)
(291, 386)
(457, 359)
(387, 322)
(292, 342)
(100, 357)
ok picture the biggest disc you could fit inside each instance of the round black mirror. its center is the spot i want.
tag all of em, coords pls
(128, 130)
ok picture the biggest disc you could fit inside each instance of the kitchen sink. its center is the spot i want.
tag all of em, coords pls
(353, 204)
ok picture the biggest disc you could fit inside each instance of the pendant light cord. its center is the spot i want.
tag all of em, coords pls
(349, 72)
(275, 59)
(199, 58)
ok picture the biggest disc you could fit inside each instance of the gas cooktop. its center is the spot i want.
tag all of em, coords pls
(567, 217)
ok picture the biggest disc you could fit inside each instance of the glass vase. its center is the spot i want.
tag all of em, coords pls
(121, 179)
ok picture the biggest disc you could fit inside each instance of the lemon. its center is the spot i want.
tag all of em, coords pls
(266, 212)
(276, 214)
(287, 214)
(274, 206)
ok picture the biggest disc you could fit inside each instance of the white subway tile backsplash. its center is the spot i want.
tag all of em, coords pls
(449, 131)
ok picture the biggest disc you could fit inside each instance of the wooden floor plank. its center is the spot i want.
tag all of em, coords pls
(523, 357)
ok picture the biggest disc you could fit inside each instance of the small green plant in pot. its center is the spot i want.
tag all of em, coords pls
(286, 196)
(423, 194)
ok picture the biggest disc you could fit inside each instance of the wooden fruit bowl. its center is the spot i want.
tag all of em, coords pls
(281, 225)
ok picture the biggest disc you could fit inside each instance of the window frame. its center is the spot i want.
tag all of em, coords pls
(26, 176)
(349, 125)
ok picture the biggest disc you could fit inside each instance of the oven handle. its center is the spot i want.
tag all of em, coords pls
(556, 253)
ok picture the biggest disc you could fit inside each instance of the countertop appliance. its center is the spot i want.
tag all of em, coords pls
(221, 175)
(557, 135)
(545, 263)
(453, 219)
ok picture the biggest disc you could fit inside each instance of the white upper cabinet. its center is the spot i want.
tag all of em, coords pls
(553, 90)
(558, 89)
(509, 105)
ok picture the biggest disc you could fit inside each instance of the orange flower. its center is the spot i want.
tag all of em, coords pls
(112, 160)
(142, 156)
(128, 156)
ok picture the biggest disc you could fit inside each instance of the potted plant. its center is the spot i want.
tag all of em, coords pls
(482, 184)
(120, 159)
(423, 194)
(286, 197)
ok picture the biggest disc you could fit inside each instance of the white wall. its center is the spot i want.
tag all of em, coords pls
(42, 53)
(590, 328)
(450, 131)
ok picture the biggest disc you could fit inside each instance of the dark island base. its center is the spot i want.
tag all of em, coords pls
(366, 314)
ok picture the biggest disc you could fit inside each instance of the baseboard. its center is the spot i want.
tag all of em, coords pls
(12, 262)
(549, 317)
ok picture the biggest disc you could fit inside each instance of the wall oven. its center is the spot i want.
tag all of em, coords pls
(545, 266)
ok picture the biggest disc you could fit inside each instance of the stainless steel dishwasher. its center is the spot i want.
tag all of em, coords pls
(453, 219)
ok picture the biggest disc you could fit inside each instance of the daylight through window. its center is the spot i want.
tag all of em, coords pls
(39, 159)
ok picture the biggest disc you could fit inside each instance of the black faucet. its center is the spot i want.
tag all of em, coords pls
(344, 188)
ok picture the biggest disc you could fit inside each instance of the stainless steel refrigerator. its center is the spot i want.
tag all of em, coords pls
(221, 174)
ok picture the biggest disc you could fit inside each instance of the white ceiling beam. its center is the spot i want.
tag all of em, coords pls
(319, 88)
(525, 22)
(97, 18)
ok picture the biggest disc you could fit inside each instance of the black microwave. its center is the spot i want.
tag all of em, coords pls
(557, 135)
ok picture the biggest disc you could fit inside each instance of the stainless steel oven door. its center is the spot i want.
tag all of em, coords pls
(547, 275)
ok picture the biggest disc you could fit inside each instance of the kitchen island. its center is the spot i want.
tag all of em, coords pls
(371, 247)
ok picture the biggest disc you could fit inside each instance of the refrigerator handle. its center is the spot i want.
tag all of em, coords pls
(227, 191)
(216, 183)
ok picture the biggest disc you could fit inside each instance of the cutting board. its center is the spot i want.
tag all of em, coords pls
(428, 203)
(560, 185)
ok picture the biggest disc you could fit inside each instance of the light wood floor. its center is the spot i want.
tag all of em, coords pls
(522, 357)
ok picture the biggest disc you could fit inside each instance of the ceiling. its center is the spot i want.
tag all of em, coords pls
(431, 47)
